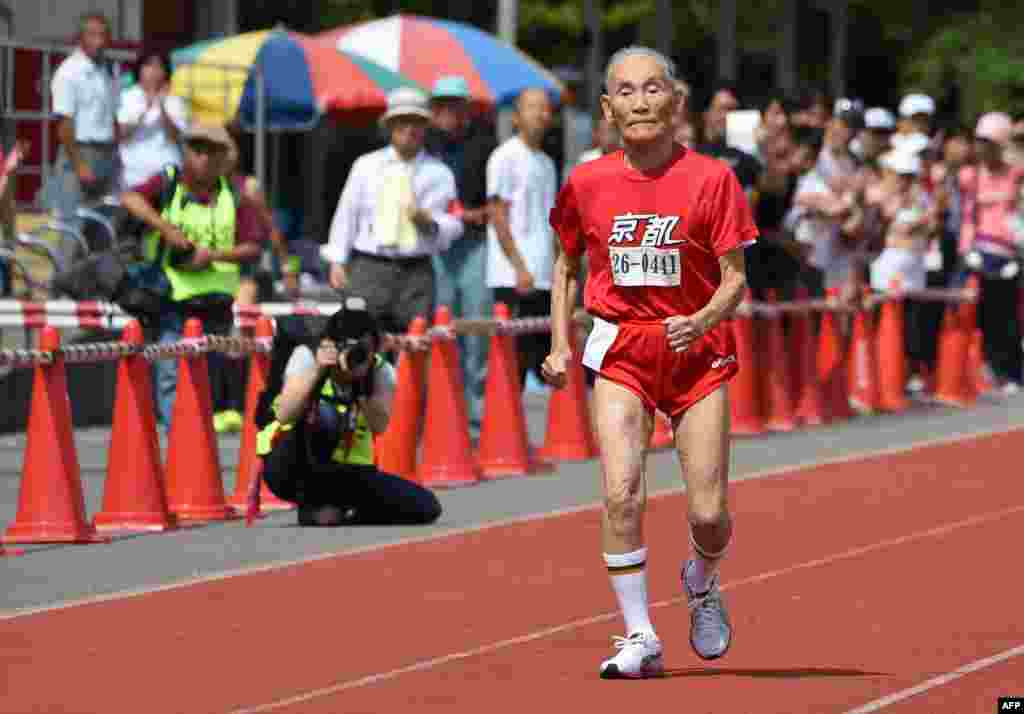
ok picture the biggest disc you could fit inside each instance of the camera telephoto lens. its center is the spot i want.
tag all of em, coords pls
(356, 356)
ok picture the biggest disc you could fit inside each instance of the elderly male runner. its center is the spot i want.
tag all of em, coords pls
(664, 230)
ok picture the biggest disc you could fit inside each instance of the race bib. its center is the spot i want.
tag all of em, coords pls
(641, 266)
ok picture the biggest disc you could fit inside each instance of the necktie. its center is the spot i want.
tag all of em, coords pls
(392, 225)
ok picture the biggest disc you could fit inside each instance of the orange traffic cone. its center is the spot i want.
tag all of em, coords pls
(569, 435)
(890, 355)
(777, 389)
(810, 409)
(51, 506)
(504, 441)
(951, 381)
(395, 449)
(447, 459)
(195, 490)
(662, 436)
(862, 375)
(747, 417)
(830, 366)
(980, 380)
(133, 494)
(248, 461)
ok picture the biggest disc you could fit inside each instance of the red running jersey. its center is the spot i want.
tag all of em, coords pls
(652, 241)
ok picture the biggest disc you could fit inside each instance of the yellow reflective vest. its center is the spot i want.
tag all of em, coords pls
(361, 450)
(206, 226)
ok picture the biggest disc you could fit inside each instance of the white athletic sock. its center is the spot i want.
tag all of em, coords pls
(628, 574)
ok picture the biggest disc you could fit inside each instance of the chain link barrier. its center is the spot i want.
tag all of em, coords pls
(240, 347)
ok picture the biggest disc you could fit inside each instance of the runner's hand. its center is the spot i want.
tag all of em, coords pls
(555, 369)
(682, 331)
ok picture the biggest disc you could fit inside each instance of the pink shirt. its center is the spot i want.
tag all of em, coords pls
(988, 202)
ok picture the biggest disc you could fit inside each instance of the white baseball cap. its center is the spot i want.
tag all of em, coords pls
(914, 104)
(879, 118)
(996, 127)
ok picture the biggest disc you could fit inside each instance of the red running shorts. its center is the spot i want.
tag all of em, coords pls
(636, 355)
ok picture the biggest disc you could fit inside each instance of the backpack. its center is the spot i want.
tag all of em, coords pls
(121, 274)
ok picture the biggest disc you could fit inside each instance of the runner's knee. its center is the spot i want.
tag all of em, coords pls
(708, 511)
(624, 505)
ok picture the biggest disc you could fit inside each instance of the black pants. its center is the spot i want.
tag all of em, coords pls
(1000, 328)
(367, 496)
(532, 349)
(227, 375)
(921, 322)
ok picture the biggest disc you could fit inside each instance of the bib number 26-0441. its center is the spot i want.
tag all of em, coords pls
(641, 266)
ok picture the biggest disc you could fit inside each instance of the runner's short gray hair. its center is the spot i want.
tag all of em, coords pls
(639, 50)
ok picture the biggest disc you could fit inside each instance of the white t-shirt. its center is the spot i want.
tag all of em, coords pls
(384, 381)
(85, 92)
(828, 254)
(149, 149)
(527, 180)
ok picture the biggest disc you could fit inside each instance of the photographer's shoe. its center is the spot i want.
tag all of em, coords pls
(321, 516)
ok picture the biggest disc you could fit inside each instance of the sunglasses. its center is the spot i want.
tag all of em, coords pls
(204, 147)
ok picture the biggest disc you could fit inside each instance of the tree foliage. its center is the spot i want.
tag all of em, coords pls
(982, 54)
(969, 47)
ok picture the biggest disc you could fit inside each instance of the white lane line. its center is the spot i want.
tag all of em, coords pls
(456, 532)
(432, 663)
(942, 679)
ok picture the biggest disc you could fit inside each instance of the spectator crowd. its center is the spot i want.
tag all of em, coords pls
(848, 199)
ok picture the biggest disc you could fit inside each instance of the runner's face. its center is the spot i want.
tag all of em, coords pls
(641, 101)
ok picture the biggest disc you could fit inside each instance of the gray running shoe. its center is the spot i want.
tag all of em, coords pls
(710, 629)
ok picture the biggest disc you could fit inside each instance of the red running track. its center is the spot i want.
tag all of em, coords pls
(847, 583)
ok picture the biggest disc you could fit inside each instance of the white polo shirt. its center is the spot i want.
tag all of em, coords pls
(85, 92)
(526, 179)
(433, 190)
(149, 149)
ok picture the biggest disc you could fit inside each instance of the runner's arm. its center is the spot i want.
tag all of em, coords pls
(563, 299)
(730, 291)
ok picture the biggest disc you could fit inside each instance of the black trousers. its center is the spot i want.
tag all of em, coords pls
(532, 349)
(1000, 327)
(366, 495)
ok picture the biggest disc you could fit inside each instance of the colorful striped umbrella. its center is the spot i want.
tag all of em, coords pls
(426, 48)
(303, 80)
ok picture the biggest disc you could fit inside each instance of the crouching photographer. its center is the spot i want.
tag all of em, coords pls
(317, 428)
